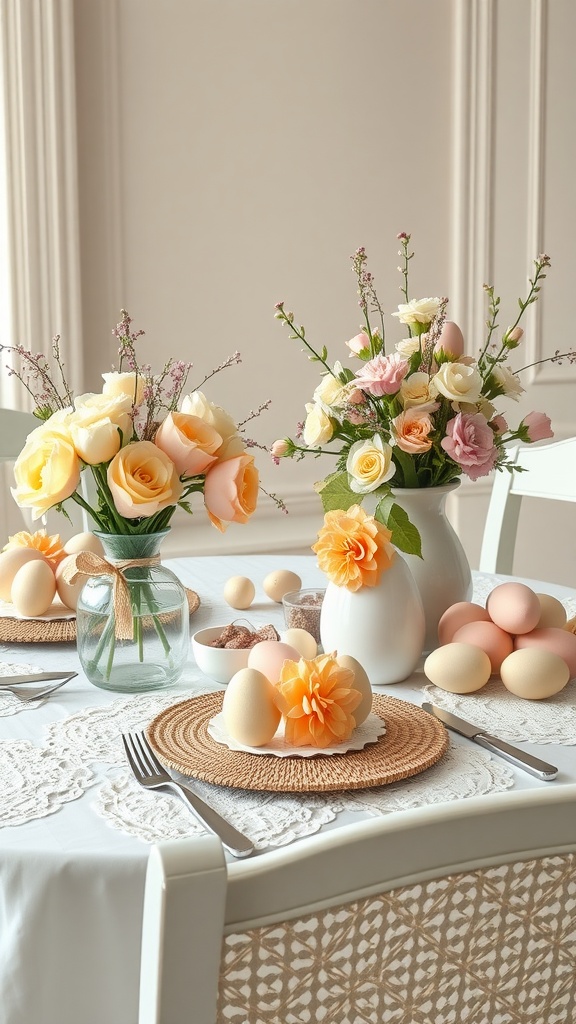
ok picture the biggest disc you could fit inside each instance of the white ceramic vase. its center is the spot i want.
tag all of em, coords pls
(382, 627)
(442, 574)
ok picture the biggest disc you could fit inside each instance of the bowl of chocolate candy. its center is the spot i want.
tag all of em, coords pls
(221, 651)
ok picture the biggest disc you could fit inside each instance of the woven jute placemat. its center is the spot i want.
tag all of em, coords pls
(55, 631)
(413, 741)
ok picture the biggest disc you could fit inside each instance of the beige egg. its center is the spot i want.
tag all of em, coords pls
(302, 640)
(239, 592)
(68, 592)
(10, 562)
(250, 714)
(514, 607)
(268, 657)
(281, 582)
(534, 674)
(557, 641)
(552, 612)
(84, 542)
(458, 668)
(33, 588)
(361, 683)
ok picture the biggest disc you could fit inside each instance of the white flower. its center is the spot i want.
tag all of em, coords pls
(96, 423)
(127, 384)
(508, 382)
(318, 427)
(330, 390)
(459, 382)
(369, 464)
(418, 311)
(408, 346)
(417, 389)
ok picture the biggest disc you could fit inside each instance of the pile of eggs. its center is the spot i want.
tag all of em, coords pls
(520, 636)
(239, 591)
(249, 709)
(30, 581)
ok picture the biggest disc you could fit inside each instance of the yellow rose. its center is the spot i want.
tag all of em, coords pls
(318, 427)
(143, 480)
(95, 423)
(129, 385)
(47, 471)
(330, 390)
(369, 464)
(415, 390)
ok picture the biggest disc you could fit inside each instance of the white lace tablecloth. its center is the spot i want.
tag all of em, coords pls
(74, 822)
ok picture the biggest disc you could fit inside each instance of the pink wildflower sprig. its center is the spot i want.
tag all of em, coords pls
(368, 301)
(34, 374)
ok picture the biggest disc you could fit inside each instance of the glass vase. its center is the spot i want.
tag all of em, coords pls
(135, 636)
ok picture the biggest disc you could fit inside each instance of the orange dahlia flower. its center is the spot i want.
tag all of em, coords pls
(48, 545)
(317, 699)
(353, 548)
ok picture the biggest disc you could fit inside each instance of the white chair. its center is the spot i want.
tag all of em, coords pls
(464, 911)
(549, 471)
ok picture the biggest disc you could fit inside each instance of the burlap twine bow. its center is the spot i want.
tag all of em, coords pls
(87, 563)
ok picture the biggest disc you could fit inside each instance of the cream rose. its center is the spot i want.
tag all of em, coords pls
(231, 491)
(415, 390)
(129, 385)
(458, 382)
(369, 464)
(95, 424)
(196, 404)
(189, 441)
(408, 346)
(331, 391)
(143, 480)
(418, 311)
(318, 427)
(508, 382)
(47, 471)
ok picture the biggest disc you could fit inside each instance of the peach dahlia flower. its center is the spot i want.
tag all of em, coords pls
(317, 699)
(353, 548)
(49, 545)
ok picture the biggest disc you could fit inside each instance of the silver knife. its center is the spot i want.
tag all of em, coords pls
(520, 758)
(35, 677)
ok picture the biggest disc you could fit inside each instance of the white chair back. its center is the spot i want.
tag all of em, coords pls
(14, 429)
(424, 915)
(546, 471)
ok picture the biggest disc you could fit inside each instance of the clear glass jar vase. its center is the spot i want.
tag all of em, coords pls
(132, 636)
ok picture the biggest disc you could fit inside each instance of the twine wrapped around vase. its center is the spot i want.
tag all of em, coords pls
(87, 563)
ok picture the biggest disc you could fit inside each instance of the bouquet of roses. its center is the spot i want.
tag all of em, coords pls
(419, 413)
(147, 445)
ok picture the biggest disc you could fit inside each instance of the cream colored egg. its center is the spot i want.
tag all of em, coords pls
(552, 612)
(84, 542)
(250, 714)
(361, 683)
(458, 668)
(557, 641)
(68, 592)
(33, 588)
(10, 562)
(268, 657)
(239, 592)
(302, 640)
(281, 582)
(534, 674)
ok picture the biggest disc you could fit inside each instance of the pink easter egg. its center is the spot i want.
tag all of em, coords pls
(495, 642)
(514, 607)
(551, 638)
(451, 339)
(458, 615)
(268, 657)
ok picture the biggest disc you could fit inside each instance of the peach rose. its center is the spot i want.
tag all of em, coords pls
(231, 491)
(196, 404)
(47, 471)
(189, 441)
(143, 480)
(353, 548)
(411, 431)
(317, 699)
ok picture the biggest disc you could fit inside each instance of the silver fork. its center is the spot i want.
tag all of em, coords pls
(151, 774)
(26, 693)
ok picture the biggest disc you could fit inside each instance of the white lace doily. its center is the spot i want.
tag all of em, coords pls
(9, 704)
(34, 782)
(498, 711)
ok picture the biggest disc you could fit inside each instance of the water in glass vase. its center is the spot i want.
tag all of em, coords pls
(133, 633)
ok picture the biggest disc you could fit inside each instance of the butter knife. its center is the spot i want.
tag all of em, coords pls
(36, 677)
(518, 757)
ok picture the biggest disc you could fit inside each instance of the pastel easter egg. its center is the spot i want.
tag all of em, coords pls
(250, 713)
(534, 674)
(558, 641)
(514, 607)
(451, 339)
(10, 562)
(361, 683)
(268, 657)
(489, 638)
(552, 612)
(458, 615)
(34, 588)
(458, 668)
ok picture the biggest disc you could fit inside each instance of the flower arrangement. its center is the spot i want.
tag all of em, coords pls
(147, 445)
(418, 414)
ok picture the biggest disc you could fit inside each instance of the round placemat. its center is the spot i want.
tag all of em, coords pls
(54, 631)
(414, 740)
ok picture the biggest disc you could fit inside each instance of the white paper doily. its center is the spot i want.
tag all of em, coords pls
(368, 732)
(56, 611)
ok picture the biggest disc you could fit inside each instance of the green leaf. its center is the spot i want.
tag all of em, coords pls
(335, 492)
(405, 536)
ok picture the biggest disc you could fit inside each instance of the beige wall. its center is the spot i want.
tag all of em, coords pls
(232, 153)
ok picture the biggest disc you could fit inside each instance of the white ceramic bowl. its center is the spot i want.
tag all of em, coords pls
(220, 663)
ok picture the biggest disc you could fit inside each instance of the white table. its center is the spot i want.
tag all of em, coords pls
(71, 880)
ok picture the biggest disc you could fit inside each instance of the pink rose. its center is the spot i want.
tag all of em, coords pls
(231, 491)
(411, 431)
(359, 343)
(537, 426)
(382, 375)
(470, 442)
(189, 441)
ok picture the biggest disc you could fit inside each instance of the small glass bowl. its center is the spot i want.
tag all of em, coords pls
(302, 610)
